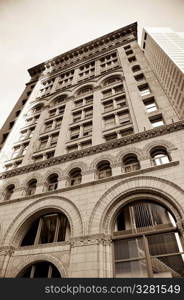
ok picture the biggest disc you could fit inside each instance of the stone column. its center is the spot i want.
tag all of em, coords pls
(97, 137)
(64, 129)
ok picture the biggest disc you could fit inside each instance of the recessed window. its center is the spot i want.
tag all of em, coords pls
(9, 192)
(43, 142)
(159, 156)
(109, 121)
(157, 121)
(74, 132)
(54, 139)
(104, 169)
(136, 68)
(87, 129)
(144, 90)
(75, 176)
(50, 154)
(130, 163)
(131, 59)
(139, 77)
(110, 137)
(52, 182)
(72, 148)
(31, 187)
(108, 106)
(124, 117)
(86, 144)
(150, 105)
(77, 116)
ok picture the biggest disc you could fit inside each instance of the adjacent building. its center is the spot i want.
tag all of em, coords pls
(92, 158)
(164, 50)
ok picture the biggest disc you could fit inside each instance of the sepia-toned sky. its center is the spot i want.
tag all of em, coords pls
(32, 31)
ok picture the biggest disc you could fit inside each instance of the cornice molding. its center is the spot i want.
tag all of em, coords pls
(86, 50)
(127, 140)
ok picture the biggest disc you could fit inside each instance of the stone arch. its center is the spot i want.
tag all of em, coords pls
(53, 98)
(105, 77)
(159, 143)
(89, 83)
(28, 260)
(35, 175)
(53, 170)
(108, 157)
(80, 164)
(113, 198)
(64, 205)
(37, 103)
(131, 150)
(14, 181)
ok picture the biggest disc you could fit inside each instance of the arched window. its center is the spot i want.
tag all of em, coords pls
(104, 169)
(75, 176)
(146, 242)
(159, 156)
(37, 108)
(85, 90)
(31, 187)
(112, 80)
(52, 182)
(130, 163)
(136, 68)
(48, 228)
(9, 192)
(42, 269)
(59, 99)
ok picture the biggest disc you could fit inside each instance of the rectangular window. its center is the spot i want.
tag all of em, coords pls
(38, 157)
(120, 101)
(89, 99)
(74, 132)
(124, 118)
(108, 106)
(58, 123)
(150, 105)
(86, 144)
(43, 142)
(52, 112)
(87, 129)
(88, 113)
(144, 90)
(111, 136)
(109, 121)
(79, 103)
(118, 89)
(139, 77)
(54, 139)
(50, 154)
(77, 116)
(72, 148)
(61, 109)
(48, 126)
(157, 121)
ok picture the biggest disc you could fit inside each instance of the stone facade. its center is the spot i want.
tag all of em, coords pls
(90, 204)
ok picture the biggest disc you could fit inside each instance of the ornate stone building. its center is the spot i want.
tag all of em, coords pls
(92, 181)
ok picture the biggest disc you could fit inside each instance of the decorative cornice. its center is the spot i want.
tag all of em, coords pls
(72, 57)
(91, 240)
(127, 140)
